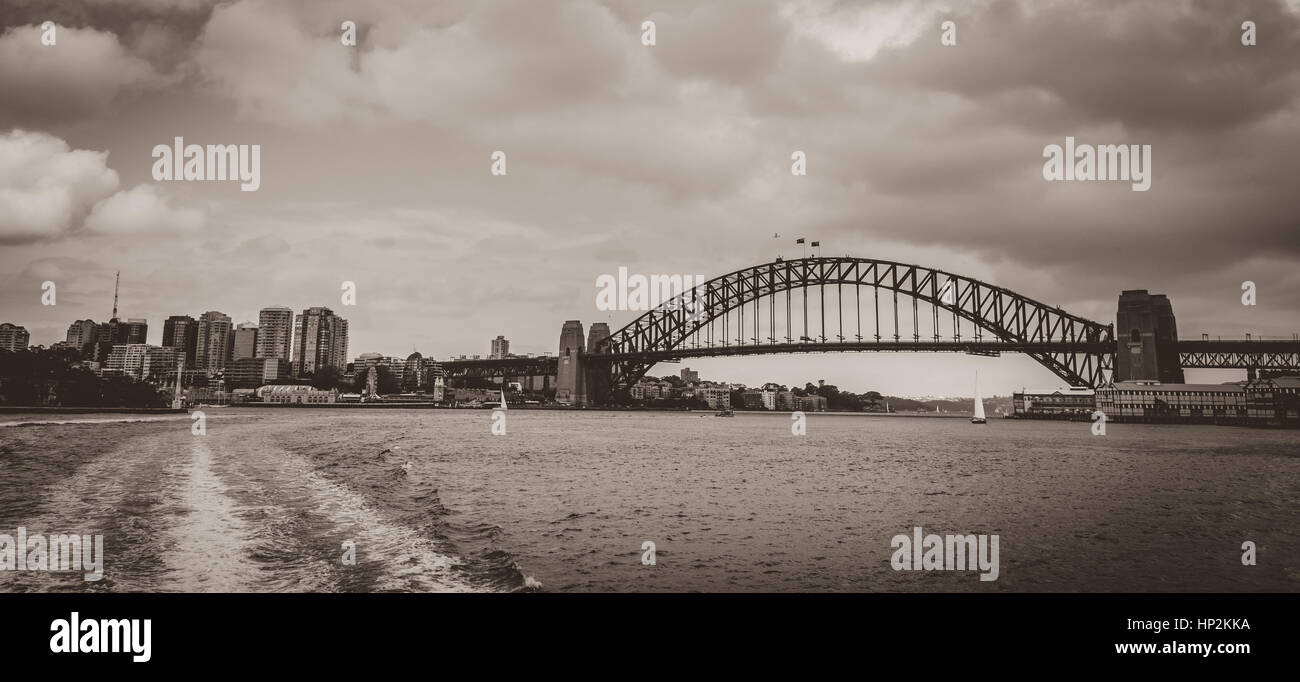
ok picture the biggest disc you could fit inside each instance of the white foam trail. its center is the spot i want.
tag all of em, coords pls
(411, 562)
(210, 552)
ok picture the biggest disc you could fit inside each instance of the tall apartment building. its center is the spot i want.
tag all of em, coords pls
(244, 344)
(81, 335)
(214, 341)
(500, 348)
(13, 337)
(180, 332)
(275, 333)
(320, 339)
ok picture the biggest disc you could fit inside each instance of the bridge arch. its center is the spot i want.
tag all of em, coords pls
(1078, 350)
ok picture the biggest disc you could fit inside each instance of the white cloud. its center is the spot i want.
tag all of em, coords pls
(142, 209)
(47, 188)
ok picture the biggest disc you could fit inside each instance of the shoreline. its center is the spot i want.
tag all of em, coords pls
(46, 409)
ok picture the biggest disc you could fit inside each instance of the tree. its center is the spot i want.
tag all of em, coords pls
(327, 377)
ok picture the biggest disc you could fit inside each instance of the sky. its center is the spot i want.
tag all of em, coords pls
(673, 158)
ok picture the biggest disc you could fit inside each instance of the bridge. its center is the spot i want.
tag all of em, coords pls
(892, 307)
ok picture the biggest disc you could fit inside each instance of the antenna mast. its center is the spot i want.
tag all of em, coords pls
(116, 280)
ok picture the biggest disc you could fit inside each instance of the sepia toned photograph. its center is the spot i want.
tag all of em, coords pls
(602, 296)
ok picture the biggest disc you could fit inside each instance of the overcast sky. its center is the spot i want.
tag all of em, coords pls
(666, 159)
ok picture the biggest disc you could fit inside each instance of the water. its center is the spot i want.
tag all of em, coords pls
(433, 502)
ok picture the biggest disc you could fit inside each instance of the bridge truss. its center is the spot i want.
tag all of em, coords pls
(752, 311)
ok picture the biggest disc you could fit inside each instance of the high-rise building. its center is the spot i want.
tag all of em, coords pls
(180, 332)
(214, 341)
(500, 348)
(275, 333)
(690, 376)
(244, 344)
(320, 339)
(81, 335)
(13, 337)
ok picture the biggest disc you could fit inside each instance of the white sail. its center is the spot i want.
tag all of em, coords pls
(979, 402)
(503, 399)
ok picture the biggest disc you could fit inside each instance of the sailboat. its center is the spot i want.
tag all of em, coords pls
(503, 399)
(979, 404)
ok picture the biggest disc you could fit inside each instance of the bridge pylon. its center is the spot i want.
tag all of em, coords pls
(570, 377)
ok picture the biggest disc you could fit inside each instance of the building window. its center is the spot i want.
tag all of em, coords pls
(1135, 336)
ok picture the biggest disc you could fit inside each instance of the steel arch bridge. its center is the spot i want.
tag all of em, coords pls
(1078, 350)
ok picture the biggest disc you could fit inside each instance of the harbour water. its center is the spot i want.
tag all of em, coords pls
(564, 501)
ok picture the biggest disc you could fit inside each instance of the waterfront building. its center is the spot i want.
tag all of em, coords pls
(290, 394)
(717, 397)
(275, 333)
(1274, 400)
(810, 403)
(1054, 403)
(690, 376)
(1160, 402)
(13, 337)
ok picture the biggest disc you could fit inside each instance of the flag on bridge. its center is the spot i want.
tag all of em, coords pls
(816, 243)
(799, 240)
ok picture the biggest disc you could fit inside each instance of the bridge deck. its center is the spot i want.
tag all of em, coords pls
(1196, 354)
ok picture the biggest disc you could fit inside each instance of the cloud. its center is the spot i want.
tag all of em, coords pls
(47, 188)
(444, 64)
(49, 191)
(142, 209)
(1166, 66)
(77, 78)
